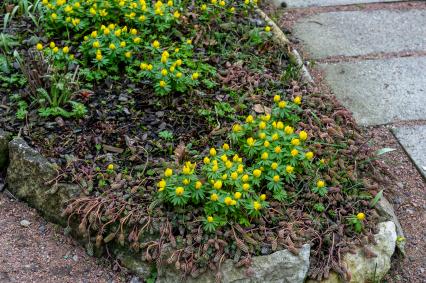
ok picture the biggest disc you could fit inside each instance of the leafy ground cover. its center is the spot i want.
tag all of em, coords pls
(188, 131)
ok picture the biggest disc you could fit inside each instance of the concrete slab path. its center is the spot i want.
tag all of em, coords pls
(321, 3)
(356, 33)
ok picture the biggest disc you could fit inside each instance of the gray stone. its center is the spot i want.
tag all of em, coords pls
(369, 269)
(320, 3)
(385, 209)
(29, 177)
(5, 137)
(281, 266)
(380, 91)
(25, 223)
(413, 139)
(362, 32)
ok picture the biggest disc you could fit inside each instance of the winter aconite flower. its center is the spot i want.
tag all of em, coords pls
(295, 142)
(267, 28)
(297, 100)
(179, 191)
(282, 104)
(210, 219)
(198, 185)
(257, 205)
(289, 169)
(303, 135)
(214, 197)
(276, 178)
(156, 44)
(218, 185)
(320, 184)
(294, 152)
(213, 151)
(249, 119)
(110, 167)
(237, 195)
(168, 172)
(262, 197)
(360, 216)
(277, 98)
(257, 173)
(309, 155)
(39, 46)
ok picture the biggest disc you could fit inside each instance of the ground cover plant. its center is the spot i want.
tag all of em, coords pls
(188, 131)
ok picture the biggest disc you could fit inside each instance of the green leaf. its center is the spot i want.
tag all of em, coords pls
(376, 198)
(384, 150)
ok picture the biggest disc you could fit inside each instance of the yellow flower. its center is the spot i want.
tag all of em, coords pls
(128, 54)
(228, 201)
(65, 49)
(39, 46)
(234, 176)
(179, 75)
(98, 56)
(172, 69)
(240, 169)
(232, 9)
(320, 184)
(137, 40)
(213, 151)
(236, 128)
(228, 164)
(150, 67)
(280, 125)
(295, 141)
(186, 182)
(179, 62)
(77, 5)
(214, 197)
(267, 28)
(262, 125)
(262, 136)
(206, 160)
(246, 187)
(189, 41)
(210, 219)
(179, 191)
(288, 130)
(360, 216)
(162, 84)
(162, 184)
(282, 104)
(213, 1)
(203, 7)
(257, 205)
(110, 167)
(275, 137)
(195, 76)
(224, 177)
(294, 152)
(168, 172)
(164, 72)
(215, 168)
(257, 173)
(250, 141)
(170, 3)
(276, 178)
(176, 14)
(303, 135)
(249, 119)
(107, 31)
(266, 117)
(222, 3)
(322, 161)
(225, 146)
(277, 149)
(245, 178)
(156, 44)
(134, 31)
(55, 50)
(96, 44)
(274, 166)
(117, 33)
(264, 156)
(235, 158)
(54, 16)
(52, 45)
(289, 169)
(218, 185)
(297, 100)
(237, 195)
(262, 197)
(198, 185)
(309, 155)
(186, 170)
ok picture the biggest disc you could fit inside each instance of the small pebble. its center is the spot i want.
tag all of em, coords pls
(25, 223)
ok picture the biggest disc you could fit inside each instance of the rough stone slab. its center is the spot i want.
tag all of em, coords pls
(5, 137)
(353, 33)
(413, 139)
(380, 91)
(321, 3)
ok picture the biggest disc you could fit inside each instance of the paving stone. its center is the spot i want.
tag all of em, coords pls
(352, 33)
(380, 91)
(413, 139)
(319, 3)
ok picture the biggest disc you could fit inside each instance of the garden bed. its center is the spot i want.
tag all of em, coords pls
(101, 171)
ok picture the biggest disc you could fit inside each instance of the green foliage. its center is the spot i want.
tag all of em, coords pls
(166, 135)
(233, 184)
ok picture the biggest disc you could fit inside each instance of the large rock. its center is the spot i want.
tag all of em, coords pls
(281, 266)
(5, 137)
(29, 177)
(369, 269)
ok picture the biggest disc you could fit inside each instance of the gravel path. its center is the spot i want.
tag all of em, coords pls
(41, 253)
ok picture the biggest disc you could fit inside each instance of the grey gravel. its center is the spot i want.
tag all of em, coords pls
(413, 140)
(25, 223)
(319, 3)
(352, 33)
(380, 91)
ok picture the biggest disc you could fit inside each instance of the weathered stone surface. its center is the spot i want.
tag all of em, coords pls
(27, 177)
(5, 137)
(281, 266)
(363, 269)
(413, 139)
(320, 3)
(362, 32)
(380, 91)
(385, 209)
